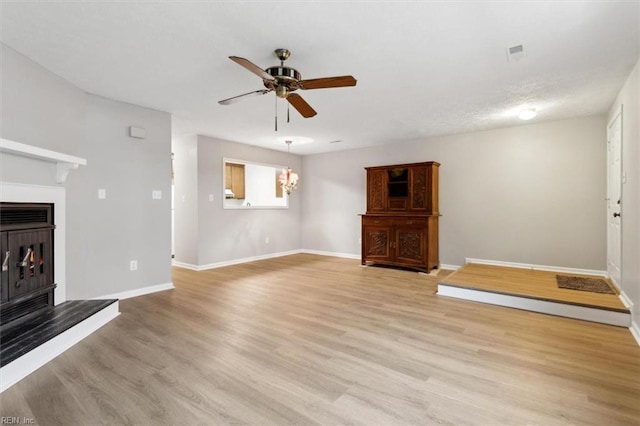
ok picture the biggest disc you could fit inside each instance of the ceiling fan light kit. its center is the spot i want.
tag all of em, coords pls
(284, 81)
(288, 179)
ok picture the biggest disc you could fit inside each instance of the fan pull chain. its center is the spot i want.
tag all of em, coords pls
(287, 112)
(276, 113)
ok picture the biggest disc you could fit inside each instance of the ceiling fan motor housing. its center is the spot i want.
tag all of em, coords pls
(286, 80)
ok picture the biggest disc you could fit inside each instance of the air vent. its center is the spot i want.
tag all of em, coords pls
(515, 53)
(18, 216)
(516, 49)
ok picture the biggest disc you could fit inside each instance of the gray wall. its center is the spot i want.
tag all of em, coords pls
(629, 97)
(104, 235)
(38, 107)
(41, 109)
(225, 235)
(529, 194)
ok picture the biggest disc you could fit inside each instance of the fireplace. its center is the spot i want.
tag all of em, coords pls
(33, 230)
(27, 249)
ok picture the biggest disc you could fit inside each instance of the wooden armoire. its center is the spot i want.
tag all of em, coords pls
(400, 227)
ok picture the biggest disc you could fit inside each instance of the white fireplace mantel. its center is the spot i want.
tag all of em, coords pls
(64, 162)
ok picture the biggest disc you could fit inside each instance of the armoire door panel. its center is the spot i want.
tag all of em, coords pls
(376, 242)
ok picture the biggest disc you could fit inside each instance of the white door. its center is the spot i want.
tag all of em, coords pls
(614, 200)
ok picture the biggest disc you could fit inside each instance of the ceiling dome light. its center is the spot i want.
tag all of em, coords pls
(527, 114)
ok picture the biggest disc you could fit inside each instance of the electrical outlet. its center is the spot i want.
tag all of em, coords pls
(156, 195)
(210, 197)
(102, 194)
(266, 240)
(133, 265)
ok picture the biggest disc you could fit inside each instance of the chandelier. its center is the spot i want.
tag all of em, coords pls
(288, 179)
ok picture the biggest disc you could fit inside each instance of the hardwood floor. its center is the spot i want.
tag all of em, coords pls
(309, 340)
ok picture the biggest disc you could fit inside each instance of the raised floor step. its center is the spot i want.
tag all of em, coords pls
(532, 290)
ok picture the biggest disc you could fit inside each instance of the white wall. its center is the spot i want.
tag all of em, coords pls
(260, 186)
(530, 194)
(225, 235)
(41, 109)
(629, 98)
(185, 150)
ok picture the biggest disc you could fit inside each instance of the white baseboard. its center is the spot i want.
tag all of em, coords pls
(538, 267)
(261, 257)
(193, 267)
(535, 305)
(635, 331)
(184, 265)
(234, 261)
(138, 292)
(16, 370)
(449, 267)
(625, 299)
(332, 254)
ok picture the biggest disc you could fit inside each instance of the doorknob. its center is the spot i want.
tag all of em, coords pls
(616, 215)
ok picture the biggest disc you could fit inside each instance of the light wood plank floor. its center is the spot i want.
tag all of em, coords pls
(311, 340)
(531, 283)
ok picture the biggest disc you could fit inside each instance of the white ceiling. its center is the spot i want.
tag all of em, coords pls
(423, 69)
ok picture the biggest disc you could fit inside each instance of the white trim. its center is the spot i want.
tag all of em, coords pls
(24, 193)
(332, 254)
(615, 284)
(542, 306)
(538, 267)
(193, 267)
(185, 265)
(16, 370)
(626, 301)
(65, 163)
(449, 267)
(615, 115)
(138, 292)
(635, 331)
(234, 261)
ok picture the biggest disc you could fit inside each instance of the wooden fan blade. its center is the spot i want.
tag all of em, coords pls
(246, 95)
(252, 67)
(327, 82)
(301, 105)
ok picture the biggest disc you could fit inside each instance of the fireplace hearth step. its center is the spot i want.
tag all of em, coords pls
(29, 335)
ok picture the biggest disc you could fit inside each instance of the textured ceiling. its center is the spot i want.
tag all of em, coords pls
(423, 69)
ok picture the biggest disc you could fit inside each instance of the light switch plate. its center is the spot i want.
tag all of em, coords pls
(156, 195)
(102, 194)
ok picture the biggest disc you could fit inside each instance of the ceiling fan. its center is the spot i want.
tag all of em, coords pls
(285, 80)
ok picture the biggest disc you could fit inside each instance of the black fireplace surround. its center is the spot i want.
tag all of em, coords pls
(26, 249)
